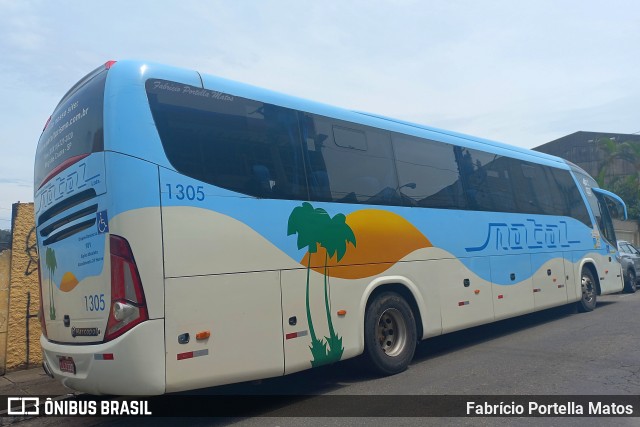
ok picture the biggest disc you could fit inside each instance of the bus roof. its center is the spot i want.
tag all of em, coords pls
(211, 82)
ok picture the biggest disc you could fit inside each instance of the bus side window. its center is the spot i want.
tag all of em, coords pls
(235, 143)
(428, 173)
(487, 179)
(573, 205)
(348, 163)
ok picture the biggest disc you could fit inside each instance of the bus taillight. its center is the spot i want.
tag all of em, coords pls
(128, 307)
(43, 324)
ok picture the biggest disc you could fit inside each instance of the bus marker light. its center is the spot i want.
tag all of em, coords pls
(296, 335)
(500, 296)
(537, 290)
(342, 312)
(203, 335)
(187, 355)
(104, 356)
(461, 303)
(192, 354)
(477, 291)
(561, 285)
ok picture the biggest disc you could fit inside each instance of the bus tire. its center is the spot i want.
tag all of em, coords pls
(389, 334)
(630, 283)
(589, 291)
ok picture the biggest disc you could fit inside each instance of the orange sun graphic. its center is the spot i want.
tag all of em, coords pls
(382, 239)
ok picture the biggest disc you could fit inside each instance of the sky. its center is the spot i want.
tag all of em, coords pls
(520, 72)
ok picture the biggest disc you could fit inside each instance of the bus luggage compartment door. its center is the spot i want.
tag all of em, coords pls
(223, 329)
(549, 280)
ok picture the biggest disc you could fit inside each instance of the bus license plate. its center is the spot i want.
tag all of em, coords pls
(67, 365)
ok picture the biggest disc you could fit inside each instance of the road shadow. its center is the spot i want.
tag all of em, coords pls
(470, 337)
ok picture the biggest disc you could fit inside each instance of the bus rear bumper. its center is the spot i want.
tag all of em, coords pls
(132, 364)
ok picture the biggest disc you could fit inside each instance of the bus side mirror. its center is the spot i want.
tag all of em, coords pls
(617, 207)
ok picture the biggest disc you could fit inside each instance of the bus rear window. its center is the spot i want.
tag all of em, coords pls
(75, 127)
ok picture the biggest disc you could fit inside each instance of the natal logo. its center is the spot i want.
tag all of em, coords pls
(361, 244)
(531, 235)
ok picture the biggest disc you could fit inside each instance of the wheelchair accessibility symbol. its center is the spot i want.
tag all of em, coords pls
(102, 222)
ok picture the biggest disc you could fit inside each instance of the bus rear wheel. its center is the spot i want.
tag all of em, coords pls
(589, 291)
(389, 334)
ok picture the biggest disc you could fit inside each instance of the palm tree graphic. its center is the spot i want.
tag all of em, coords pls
(308, 223)
(316, 228)
(335, 239)
(50, 261)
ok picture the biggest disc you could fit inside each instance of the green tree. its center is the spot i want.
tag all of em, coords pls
(337, 234)
(308, 223)
(628, 151)
(5, 239)
(52, 264)
(627, 187)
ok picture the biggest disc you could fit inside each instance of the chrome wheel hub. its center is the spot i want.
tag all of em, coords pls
(391, 332)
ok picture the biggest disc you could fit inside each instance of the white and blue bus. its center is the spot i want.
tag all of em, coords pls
(195, 231)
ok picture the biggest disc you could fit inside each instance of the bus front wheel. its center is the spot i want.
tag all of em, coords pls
(389, 334)
(589, 291)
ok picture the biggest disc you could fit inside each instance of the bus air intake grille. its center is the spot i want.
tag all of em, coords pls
(67, 232)
(68, 219)
(66, 204)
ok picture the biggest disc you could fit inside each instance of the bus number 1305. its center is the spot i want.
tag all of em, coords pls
(188, 192)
